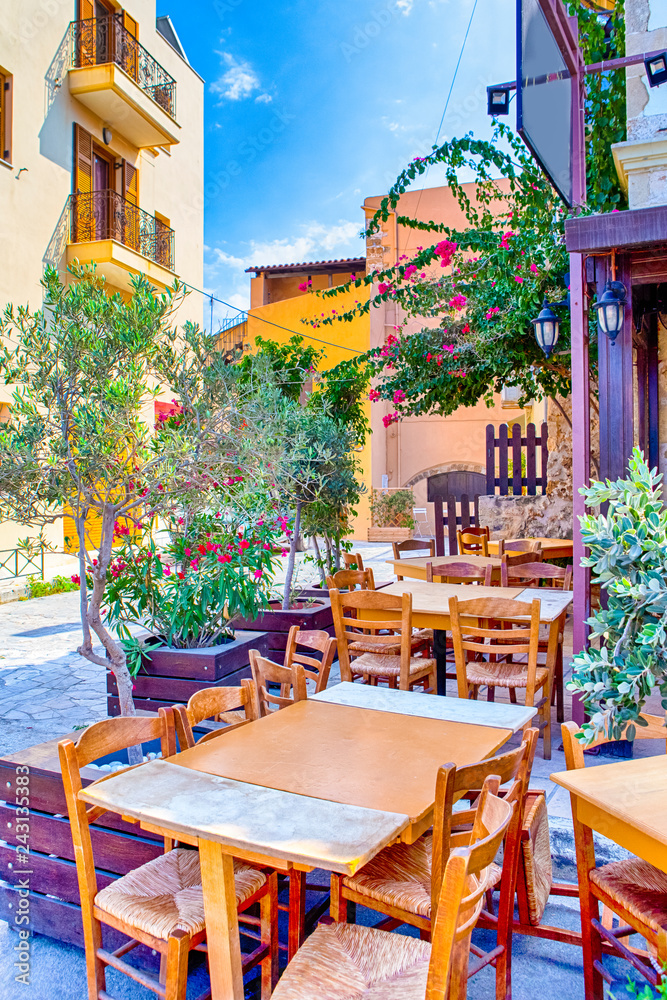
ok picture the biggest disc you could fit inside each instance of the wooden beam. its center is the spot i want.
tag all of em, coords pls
(640, 227)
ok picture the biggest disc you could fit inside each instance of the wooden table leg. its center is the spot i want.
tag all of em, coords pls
(222, 927)
(297, 911)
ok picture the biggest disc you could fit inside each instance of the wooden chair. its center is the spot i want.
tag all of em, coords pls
(345, 960)
(403, 881)
(413, 545)
(519, 545)
(634, 890)
(220, 704)
(473, 541)
(387, 660)
(316, 669)
(350, 579)
(160, 904)
(493, 621)
(352, 560)
(292, 681)
(460, 572)
(533, 574)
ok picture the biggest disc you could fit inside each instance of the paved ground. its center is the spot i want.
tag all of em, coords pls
(47, 689)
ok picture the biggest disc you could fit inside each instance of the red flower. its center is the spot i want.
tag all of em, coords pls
(202, 549)
(76, 579)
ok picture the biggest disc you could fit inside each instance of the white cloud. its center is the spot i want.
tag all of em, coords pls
(238, 82)
(405, 6)
(225, 271)
(263, 99)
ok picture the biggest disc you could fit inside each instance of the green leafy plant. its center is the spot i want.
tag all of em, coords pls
(46, 588)
(188, 594)
(392, 508)
(628, 558)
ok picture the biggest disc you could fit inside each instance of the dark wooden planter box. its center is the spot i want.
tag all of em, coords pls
(54, 895)
(277, 623)
(171, 676)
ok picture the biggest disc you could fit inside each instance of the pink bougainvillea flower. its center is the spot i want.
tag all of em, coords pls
(492, 312)
(466, 329)
(76, 579)
(399, 396)
(458, 302)
(446, 250)
(373, 395)
(389, 418)
(410, 270)
(383, 287)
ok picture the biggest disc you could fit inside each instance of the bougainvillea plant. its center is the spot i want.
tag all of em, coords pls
(467, 297)
(187, 593)
(628, 558)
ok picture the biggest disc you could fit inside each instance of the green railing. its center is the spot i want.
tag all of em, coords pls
(17, 563)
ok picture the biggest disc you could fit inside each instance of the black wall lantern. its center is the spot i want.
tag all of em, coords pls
(611, 309)
(547, 328)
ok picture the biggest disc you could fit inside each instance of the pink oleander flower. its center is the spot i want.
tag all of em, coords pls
(518, 279)
(533, 268)
(76, 579)
(258, 574)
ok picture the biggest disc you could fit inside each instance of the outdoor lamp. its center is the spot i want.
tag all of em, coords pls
(611, 309)
(547, 328)
(656, 69)
(498, 100)
(107, 135)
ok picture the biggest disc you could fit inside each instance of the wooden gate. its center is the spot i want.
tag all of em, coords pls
(454, 496)
(522, 451)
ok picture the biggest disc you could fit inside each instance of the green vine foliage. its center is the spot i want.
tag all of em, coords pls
(628, 558)
(474, 290)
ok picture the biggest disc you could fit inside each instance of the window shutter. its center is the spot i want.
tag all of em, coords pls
(131, 227)
(130, 25)
(83, 215)
(85, 10)
(130, 183)
(3, 117)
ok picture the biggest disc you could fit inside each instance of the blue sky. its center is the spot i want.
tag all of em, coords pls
(312, 106)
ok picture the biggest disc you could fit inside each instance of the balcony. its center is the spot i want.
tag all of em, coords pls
(120, 238)
(114, 76)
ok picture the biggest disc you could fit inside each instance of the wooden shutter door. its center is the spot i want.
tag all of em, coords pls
(85, 34)
(83, 215)
(130, 179)
(132, 28)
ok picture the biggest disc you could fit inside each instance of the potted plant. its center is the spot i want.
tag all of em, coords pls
(391, 515)
(187, 595)
(628, 557)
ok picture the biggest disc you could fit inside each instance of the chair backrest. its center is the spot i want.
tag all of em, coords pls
(473, 541)
(460, 572)
(463, 887)
(348, 615)
(352, 560)
(533, 573)
(221, 704)
(414, 545)
(350, 579)
(292, 681)
(654, 729)
(519, 545)
(452, 829)
(110, 736)
(492, 619)
(315, 668)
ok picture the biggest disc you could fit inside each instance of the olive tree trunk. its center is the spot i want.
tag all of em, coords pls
(289, 573)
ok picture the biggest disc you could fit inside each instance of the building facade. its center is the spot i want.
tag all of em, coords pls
(404, 454)
(101, 152)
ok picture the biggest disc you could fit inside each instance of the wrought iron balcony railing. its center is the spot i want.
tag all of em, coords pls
(98, 40)
(106, 215)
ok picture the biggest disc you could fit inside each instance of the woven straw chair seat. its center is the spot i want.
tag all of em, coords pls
(399, 875)
(382, 665)
(640, 889)
(165, 894)
(510, 675)
(366, 645)
(351, 962)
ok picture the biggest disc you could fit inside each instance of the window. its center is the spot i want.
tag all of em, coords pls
(5, 116)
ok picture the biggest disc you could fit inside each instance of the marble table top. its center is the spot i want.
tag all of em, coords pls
(297, 828)
(428, 706)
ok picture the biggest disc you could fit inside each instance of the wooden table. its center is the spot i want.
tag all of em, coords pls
(416, 568)
(380, 699)
(552, 548)
(430, 609)
(315, 785)
(626, 802)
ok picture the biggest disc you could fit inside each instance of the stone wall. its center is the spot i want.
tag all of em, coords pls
(527, 517)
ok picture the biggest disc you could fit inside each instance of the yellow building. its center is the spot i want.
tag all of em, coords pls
(101, 151)
(407, 453)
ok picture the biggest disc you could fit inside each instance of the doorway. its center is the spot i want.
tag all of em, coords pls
(102, 194)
